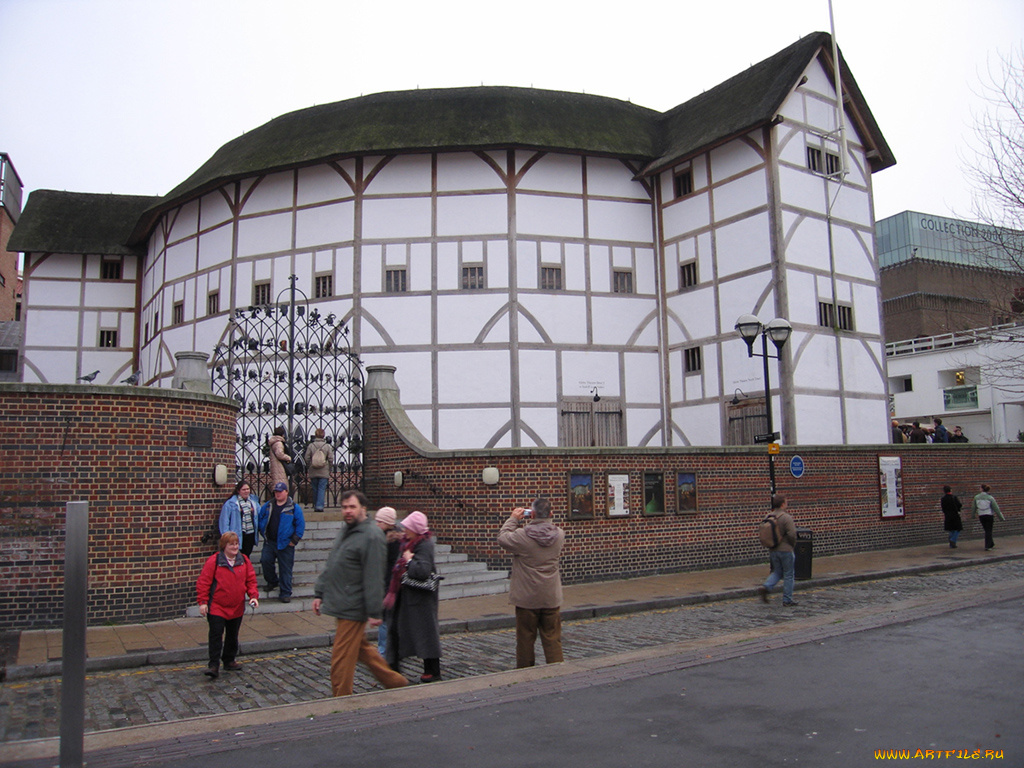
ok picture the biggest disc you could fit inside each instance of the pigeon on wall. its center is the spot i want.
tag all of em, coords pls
(133, 380)
(89, 377)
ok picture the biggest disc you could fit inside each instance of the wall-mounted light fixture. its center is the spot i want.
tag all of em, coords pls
(399, 479)
(597, 397)
(736, 396)
(220, 474)
(490, 476)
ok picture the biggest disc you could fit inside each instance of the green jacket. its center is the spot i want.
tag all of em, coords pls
(985, 509)
(352, 583)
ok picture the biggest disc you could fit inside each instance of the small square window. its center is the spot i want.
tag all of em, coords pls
(108, 339)
(395, 280)
(826, 314)
(213, 304)
(622, 281)
(832, 164)
(8, 362)
(110, 269)
(178, 313)
(845, 316)
(551, 278)
(156, 322)
(473, 278)
(688, 274)
(324, 287)
(683, 183)
(261, 294)
(145, 333)
(693, 360)
(814, 159)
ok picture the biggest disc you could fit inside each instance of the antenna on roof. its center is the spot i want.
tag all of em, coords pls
(840, 106)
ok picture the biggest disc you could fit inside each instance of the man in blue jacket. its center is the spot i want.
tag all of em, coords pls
(281, 523)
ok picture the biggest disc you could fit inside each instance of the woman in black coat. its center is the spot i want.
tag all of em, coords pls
(951, 507)
(413, 628)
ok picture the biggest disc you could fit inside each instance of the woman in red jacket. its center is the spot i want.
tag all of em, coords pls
(225, 581)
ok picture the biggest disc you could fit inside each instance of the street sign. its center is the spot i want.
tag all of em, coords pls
(773, 448)
(766, 438)
(796, 467)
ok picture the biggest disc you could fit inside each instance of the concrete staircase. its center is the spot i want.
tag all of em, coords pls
(462, 578)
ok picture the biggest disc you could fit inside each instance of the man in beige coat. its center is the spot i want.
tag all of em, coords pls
(536, 589)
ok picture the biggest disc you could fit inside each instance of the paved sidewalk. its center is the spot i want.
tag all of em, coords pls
(165, 642)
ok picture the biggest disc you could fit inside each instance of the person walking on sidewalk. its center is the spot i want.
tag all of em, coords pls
(386, 519)
(351, 589)
(781, 556)
(223, 584)
(536, 581)
(282, 524)
(985, 509)
(278, 456)
(319, 458)
(952, 523)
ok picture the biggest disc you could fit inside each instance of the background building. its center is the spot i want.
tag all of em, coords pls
(10, 279)
(542, 268)
(944, 275)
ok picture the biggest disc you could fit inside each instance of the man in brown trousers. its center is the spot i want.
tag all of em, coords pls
(536, 589)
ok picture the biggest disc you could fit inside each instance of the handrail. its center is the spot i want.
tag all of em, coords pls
(949, 340)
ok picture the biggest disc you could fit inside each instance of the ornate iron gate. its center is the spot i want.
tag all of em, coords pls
(288, 365)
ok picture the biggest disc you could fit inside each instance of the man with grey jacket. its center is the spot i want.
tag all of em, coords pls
(351, 589)
(536, 589)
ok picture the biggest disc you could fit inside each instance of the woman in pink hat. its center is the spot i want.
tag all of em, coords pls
(412, 596)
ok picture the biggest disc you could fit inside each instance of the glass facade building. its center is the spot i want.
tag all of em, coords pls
(912, 235)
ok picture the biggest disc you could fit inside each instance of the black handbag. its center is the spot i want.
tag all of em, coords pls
(429, 584)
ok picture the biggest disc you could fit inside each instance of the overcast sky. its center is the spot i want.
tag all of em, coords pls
(132, 96)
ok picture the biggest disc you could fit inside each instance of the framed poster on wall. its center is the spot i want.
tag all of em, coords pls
(686, 493)
(890, 481)
(654, 493)
(618, 494)
(581, 495)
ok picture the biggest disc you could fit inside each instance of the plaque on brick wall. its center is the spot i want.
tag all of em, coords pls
(199, 437)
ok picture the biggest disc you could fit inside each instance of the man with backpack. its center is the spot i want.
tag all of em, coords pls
(778, 532)
(319, 457)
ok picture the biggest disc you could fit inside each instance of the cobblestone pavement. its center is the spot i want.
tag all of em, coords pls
(116, 699)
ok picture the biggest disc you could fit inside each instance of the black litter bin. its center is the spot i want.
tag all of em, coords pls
(804, 552)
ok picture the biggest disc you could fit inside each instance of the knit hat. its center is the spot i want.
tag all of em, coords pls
(385, 515)
(415, 522)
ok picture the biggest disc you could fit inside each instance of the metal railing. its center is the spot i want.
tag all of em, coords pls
(1005, 332)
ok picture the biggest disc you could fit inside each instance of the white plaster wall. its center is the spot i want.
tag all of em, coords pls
(180, 260)
(480, 214)
(324, 224)
(50, 328)
(402, 175)
(473, 376)
(272, 193)
(743, 244)
(215, 247)
(319, 183)
(690, 309)
(814, 357)
(183, 221)
(264, 234)
(405, 319)
(463, 317)
(214, 210)
(640, 422)
(454, 424)
(740, 195)
(563, 318)
(641, 374)
(700, 424)
(554, 173)
(461, 171)
(686, 215)
(617, 220)
(53, 366)
(583, 370)
(46, 293)
(800, 189)
(611, 178)
(549, 216)
(109, 294)
(397, 218)
(618, 320)
(538, 382)
(542, 422)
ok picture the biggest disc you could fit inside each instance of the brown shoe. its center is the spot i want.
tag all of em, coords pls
(212, 671)
(763, 592)
(234, 666)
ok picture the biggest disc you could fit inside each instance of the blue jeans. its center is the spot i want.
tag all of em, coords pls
(953, 536)
(382, 639)
(320, 491)
(272, 559)
(782, 570)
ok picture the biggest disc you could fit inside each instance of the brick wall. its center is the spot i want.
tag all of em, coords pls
(838, 497)
(151, 496)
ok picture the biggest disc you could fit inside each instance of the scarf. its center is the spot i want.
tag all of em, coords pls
(401, 565)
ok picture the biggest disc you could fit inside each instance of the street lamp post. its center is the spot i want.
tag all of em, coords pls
(778, 330)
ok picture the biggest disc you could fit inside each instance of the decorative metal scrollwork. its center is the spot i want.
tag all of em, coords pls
(288, 365)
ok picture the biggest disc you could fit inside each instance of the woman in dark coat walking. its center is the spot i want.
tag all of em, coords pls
(413, 628)
(951, 507)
